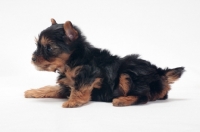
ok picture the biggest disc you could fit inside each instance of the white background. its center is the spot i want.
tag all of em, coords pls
(165, 32)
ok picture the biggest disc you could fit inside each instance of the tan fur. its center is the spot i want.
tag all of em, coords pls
(171, 77)
(52, 64)
(71, 73)
(44, 41)
(124, 84)
(125, 101)
(81, 96)
(70, 31)
(97, 83)
(44, 92)
(165, 90)
(36, 40)
(78, 97)
(53, 21)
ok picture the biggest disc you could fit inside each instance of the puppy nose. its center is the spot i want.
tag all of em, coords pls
(33, 59)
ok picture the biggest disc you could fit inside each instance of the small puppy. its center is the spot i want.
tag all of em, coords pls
(88, 73)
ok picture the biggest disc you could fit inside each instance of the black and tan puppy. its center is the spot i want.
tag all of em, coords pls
(88, 73)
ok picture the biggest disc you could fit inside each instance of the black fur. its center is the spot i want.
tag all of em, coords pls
(146, 80)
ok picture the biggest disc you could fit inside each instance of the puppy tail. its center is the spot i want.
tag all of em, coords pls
(173, 74)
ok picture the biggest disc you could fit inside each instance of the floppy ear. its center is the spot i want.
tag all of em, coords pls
(53, 21)
(70, 32)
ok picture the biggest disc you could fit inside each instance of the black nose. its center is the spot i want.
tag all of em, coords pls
(33, 59)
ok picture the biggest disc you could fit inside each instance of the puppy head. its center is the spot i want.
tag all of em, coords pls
(54, 46)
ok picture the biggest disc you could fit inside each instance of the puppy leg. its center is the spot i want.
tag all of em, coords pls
(81, 96)
(124, 87)
(78, 97)
(124, 83)
(44, 92)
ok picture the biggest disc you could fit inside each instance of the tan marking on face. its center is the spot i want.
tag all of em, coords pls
(44, 92)
(125, 101)
(53, 64)
(44, 41)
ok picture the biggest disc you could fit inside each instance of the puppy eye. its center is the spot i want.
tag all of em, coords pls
(49, 48)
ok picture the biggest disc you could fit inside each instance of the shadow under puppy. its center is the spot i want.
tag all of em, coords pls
(88, 73)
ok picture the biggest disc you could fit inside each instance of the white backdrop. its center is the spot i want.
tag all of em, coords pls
(166, 32)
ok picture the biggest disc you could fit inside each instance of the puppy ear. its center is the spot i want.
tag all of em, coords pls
(53, 21)
(70, 32)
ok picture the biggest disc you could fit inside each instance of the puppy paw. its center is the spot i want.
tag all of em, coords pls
(44, 92)
(71, 104)
(33, 93)
(125, 101)
(118, 102)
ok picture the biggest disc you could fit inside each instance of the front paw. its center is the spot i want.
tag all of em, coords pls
(33, 93)
(72, 104)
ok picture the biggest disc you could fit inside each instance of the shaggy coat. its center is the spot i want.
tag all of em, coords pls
(88, 73)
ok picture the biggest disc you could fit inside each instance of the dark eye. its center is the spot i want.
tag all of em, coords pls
(49, 49)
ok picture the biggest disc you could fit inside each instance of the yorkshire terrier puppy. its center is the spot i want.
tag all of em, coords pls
(88, 73)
